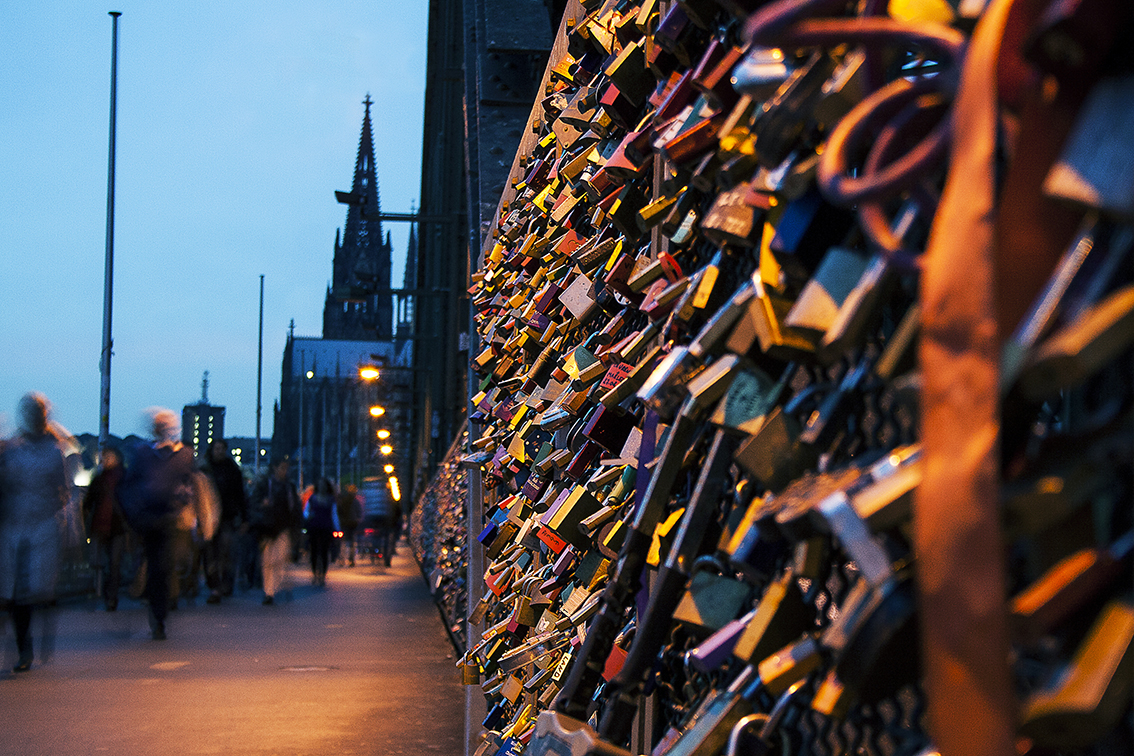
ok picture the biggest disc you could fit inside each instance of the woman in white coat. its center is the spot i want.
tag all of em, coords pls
(34, 490)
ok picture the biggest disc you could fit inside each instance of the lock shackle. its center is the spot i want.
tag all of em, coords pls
(923, 199)
(709, 562)
(792, 23)
(859, 125)
(785, 23)
(738, 729)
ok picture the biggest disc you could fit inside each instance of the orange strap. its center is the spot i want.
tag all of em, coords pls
(960, 570)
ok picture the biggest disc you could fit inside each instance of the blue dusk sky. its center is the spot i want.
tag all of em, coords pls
(237, 120)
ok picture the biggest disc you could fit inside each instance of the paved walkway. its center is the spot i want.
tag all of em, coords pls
(361, 667)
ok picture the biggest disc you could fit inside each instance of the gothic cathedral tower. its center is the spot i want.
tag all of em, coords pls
(359, 305)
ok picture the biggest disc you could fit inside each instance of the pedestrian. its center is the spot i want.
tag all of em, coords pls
(322, 522)
(152, 494)
(220, 564)
(272, 506)
(34, 490)
(350, 515)
(103, 517)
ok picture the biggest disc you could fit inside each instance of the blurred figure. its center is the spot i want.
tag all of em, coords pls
(350, 515)
(105, 524)
(220, 564)
(272, 508)
(34, 489)
(152, 494)
(322, 522)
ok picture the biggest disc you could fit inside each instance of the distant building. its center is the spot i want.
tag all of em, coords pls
(323, 420)
(201, 422)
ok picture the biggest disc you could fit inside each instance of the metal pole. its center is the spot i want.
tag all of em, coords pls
(259, 377)
(108, 275)
(322, 426)
(302, 378)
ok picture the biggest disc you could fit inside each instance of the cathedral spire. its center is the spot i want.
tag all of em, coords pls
(361, 269)
(365, 174)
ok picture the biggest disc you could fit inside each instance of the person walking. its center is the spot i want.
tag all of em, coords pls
(220, 564)
(322, 522)
(273, 505)
(152, 494)
(103, 517)
(350, 516)
(34, 489)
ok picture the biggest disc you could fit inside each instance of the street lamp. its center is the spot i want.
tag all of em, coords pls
(377, 411)
(383, 434)
(386, 450)
(388, 469)
(368, 373)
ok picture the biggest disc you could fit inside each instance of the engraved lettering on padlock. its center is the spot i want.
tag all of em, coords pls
(732, 219)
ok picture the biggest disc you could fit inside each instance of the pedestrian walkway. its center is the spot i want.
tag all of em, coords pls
(363, 666)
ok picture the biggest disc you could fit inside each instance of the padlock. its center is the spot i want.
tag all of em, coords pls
(564, 517)
(675, 34)
(761, 327)
(807, 229)
(780, 618)
(825, 293)
(1089, 698)
(1096, 164)
(774, 455)
(875, 639)
(825, 423)
(1082, 275)
(711, 74)
(710, 602)
(1064, 590)
(787, 114)
(664, 390)
(732, 220)
(1082, 348)
(712, 722)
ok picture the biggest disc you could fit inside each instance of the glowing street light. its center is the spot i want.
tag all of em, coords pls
(368, 373)
(388, 469)
(377, 411)
(383, 434)
(395, 489)
(386, 449)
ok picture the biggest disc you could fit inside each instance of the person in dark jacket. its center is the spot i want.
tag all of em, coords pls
(152, 496)
(271, 510)
(105, 524)
(220, 567)
(322, 522)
